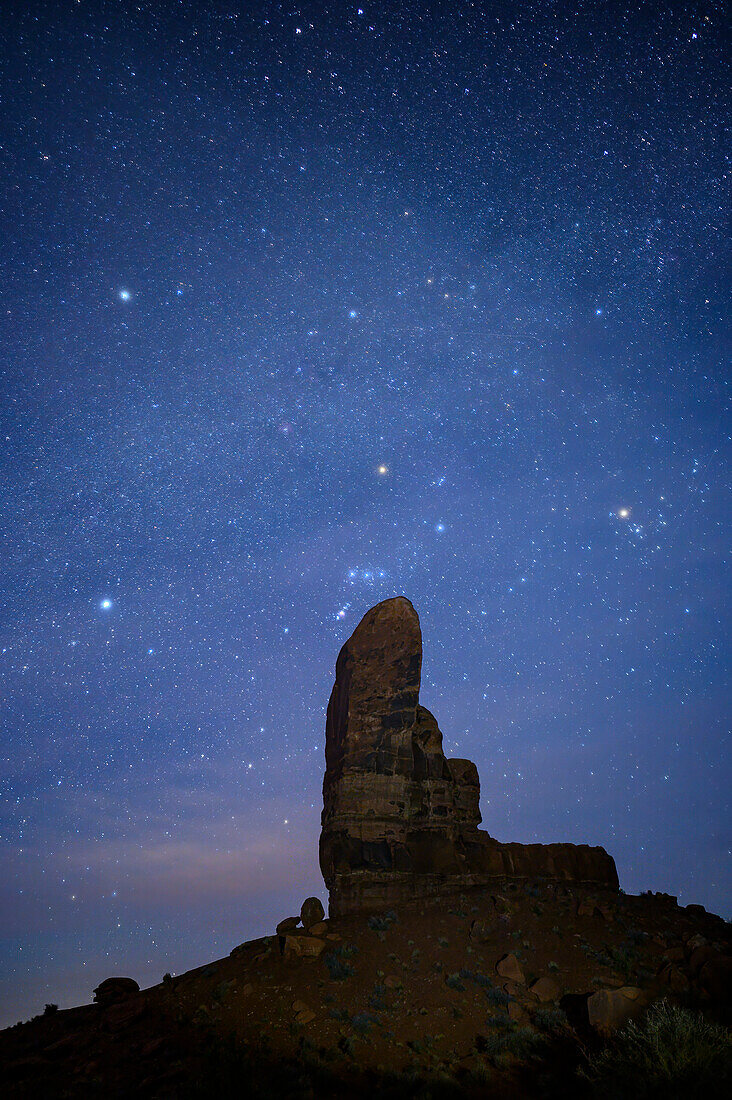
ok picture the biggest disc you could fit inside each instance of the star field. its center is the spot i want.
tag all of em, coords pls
(309, 306)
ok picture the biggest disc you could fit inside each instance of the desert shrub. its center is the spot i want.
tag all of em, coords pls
(497, 997)
(636, 936)
(382, 923)
(478, 979)
(452, 981)
(443, 942)
(362, 1022)
(494, 994)
(49, 1010)
(337, 968)
(671, 1053)
(550, 1019)
(377, 998)
(505, 1039)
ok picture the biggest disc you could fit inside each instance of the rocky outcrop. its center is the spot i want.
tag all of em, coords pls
(399, 820)
(113, 990)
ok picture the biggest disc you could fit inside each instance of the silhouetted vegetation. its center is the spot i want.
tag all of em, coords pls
(672, 1054)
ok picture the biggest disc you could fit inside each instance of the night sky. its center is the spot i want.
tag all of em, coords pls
(308, 306)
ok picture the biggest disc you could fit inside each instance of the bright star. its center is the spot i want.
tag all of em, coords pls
(623, 513)
(353, 314)
(440, 527)
(124, 295)
(383, 469)
(105, 604)
(598, 312)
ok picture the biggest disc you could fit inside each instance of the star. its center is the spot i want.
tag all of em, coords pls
(105, 604)
(382, 469)
(623, 513)
(124, 295)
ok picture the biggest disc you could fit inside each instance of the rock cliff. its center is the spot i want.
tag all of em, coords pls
(399, 820)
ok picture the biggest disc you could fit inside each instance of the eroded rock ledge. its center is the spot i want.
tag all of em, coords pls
(399, 820)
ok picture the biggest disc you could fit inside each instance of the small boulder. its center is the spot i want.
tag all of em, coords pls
(480, 931)
(674, 977)
(545, 989)
(312, 912)
(609, 1009)
(289, 924)
(392, 982)
(319, 929)
(113, 990)
(509, 967)
(675, 954)
(302, 947)
(303, 1012)
(715, 978)
(700, 956)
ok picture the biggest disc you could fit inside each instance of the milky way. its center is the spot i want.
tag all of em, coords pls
(305, 307)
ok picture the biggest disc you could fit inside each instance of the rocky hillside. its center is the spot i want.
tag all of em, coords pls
(506, 992)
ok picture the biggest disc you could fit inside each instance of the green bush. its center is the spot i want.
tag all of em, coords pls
(383, 923)
(671, 1053)
(337, 968)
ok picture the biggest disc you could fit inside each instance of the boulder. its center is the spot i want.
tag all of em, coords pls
(400, 821)
(312, 912)
(674, 977)
(303, 1012)
(609, 1009)
(509, 967)
(480, 931)
(715, 978)
(113, 990)
(303, 947)
(318, 929)
(289, 924)
(675, 953)
(700, 956)
(545, 989)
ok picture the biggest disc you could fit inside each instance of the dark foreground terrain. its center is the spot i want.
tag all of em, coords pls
(511, 992)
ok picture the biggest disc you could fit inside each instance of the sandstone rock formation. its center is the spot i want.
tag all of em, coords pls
(399, 820)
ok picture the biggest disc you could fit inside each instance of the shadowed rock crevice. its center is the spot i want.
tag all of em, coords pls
(400, 820)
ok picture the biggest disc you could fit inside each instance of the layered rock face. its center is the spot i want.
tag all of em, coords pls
(399, 820)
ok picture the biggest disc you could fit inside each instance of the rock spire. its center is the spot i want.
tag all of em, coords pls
(399, 820)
